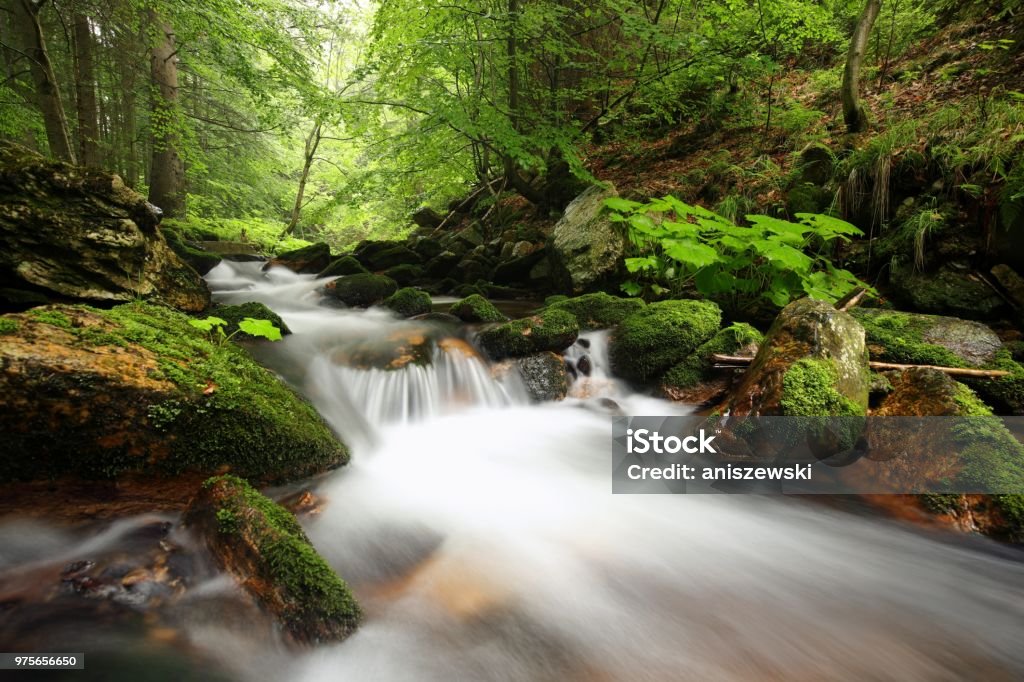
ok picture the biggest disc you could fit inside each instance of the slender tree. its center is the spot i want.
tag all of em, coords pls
(167, 170)
(853, 109)
(85, 92)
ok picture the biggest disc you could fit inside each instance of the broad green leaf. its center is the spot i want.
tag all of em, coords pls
(260, 328)
(690, 252)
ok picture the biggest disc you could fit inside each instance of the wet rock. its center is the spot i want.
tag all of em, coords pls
(1011, 281)
(442, 265)
(599, 310)
(264, 547)
(361, 291)
(584, 366)
(694, 379)
(77, 233)
(476, 308)
(471, 269)
(813, 362)
(201, 260)
(141, 393)
(650, 341)
(517, 270)
(586, 248)
(426, 247)
(405, 274)
(544, 376)
(923, 392)
(383, 259)
(552, 330)
(339, 267)
(409, 302)
(427, 217)
(440, 318)
(918, 339)
(946, 291)
(309, 260)
(233, 314)
(397, 350)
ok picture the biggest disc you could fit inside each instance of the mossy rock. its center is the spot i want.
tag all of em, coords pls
(698, 366)
(648, 342)
(265, 548)
(544, 375)
(309, 260)
(233, 314)
(361, 291)
(388, 256)
(946, 291)
(405, 274)
(599, 310)
(807, 198)
(809, 390)
(476, 308)
(557, 298)
(409, 301)
(137, 391)
(346, 265)
(552, 330)
(200, 260)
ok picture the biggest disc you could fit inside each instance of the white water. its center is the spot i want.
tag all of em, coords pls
(481, 537)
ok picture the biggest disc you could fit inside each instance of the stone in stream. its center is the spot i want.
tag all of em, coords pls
(476, 308)
(346, 265)
(309, 260)
(551, 330)
(81, 234)
(544, 376)
(598, 310)
(138, 395)
(361, 291)
(695, 381)
(265, 548)
(233, 314)
(409, 302)
(586, 248)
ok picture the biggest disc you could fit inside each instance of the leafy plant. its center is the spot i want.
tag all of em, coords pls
(680, 245)
(215, 326)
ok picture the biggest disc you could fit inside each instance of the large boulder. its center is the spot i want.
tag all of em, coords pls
(813, 362)
(265, 548)
(361, 291)
(346, 265)
(427, 217)
(476, 308)
(81, 234)
(694, 380)
(544, 375)
(137, 393)
(598, 310)
(946, 291)
(383, 255)
(517, 269)
(409, 302)
(201, 260)
(653, 339)
(586, 248)
(552, 330)
(309, 260)
(912, 338)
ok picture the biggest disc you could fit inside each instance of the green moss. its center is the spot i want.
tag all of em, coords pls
(1011, 507)
(1005, 393)
(899, 338)
(201, 261)
(557, 298)
(808, 390)
(346, 265)
(313, 591)
(698, 365)
(969, 403)
(647, 343)
(940, 503)
(8, 326)
(476, 308)
(552, 330)
(54, 318)
(992, 459)
(360, 291)
(227, 521)
(409, 301)
(600, 310)
(233, 314)
(405, 273)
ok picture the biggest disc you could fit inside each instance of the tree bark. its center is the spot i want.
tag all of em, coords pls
(312, 143)
(167, 170)
(85, 93)
(511, 168)
(25, 22)
(853, 110)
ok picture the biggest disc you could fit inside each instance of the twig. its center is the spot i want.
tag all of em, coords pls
(851, 300)
(733, 361)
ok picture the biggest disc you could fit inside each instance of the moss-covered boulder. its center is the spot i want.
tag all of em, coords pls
(946, 291)
(586, 248)
(387, 255)
(361, 291)
(135, 392)
(265, 548)
(599, 310)
(233, 314)
(689, 379)
(552, 330)
(202, 261)
(813, 362)
(648, 342)
(339, 267)
(476, 308)
(544, 375)
(309, 260)
(405, 274)
(925, 392)
(918, 339)
(81, 234)
(409, 302)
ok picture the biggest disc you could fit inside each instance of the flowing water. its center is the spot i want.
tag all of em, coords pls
(481, 537)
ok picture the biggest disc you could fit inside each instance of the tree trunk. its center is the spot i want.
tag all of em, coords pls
(167, 171)
(85, 91)
(853, 110)
(25, 21)
(511, 168)
(312, 143)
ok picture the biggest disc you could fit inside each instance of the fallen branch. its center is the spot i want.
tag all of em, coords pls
(740, 361)
(851, 300)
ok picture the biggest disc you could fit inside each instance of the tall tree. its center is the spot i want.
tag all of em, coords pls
(29, 34)
(167, 169)
(85, 92)
(853, 109)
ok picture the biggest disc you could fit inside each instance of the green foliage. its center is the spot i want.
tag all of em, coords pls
(8, 326)
(263, 329)
(771, 259)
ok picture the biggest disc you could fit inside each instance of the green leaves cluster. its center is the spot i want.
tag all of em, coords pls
(263, 329)
(740, 266)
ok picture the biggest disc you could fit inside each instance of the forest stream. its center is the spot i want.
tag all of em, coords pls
(480, 536)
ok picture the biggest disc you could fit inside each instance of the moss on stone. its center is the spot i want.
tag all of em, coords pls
(200, 260)
(698, 365)
(346, 265)
(361, 291)
(552, 330)
(1011, 507)
(1004, 393)
(52, 317)
(808, 390)
(648, 342)
(898, 337)
(599, 310)
(557, 298)
(409, 301)
(233, 314)
(405, 273)
(8, 326)
(476, 308)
